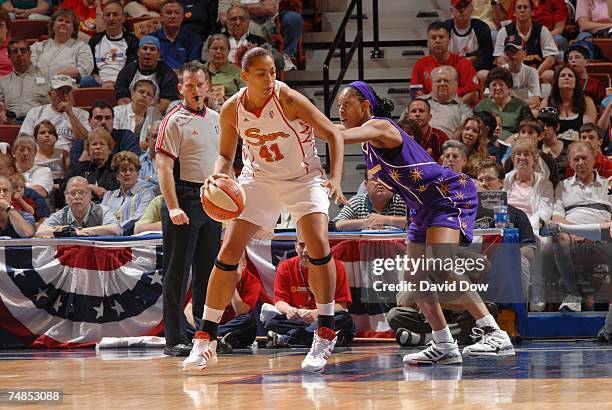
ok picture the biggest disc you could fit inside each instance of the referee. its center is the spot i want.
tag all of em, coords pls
(187, 147)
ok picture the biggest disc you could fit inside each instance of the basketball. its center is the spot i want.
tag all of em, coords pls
(224, 200)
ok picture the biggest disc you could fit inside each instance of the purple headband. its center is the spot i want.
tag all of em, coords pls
(366, 91)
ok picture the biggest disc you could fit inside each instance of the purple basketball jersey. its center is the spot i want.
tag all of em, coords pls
(435, 194)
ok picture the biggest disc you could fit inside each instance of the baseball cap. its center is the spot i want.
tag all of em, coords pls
(460, 3)
(149, 40)
(514, 41)
(60, 80)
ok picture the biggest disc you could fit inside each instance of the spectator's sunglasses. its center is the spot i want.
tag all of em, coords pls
(549, 110)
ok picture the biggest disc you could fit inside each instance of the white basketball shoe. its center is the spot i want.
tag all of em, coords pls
(493, 342)
(435, 353)
(321, 349)
(203, 354)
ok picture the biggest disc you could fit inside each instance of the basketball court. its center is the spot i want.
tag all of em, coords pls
(551, 374)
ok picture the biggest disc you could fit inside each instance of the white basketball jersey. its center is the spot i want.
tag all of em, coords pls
(274, 147)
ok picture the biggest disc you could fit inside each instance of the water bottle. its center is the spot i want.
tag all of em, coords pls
(501, 216)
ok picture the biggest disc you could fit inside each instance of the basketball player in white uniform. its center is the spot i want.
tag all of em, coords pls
(281, 169)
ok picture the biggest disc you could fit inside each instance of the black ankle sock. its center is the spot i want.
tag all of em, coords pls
(210, 328)
(326, 321)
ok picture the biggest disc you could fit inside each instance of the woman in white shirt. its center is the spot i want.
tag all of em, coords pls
(37, 177)
(139, 114)
(62, 53)
(528, 190)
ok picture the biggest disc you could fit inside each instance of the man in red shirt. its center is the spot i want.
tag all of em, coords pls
(432, 138)
(438, 41)
(237, 329)
(578, 57)
(293, 298)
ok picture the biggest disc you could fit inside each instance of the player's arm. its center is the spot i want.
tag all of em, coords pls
(298, 106)
(380, 133)
(227, 143)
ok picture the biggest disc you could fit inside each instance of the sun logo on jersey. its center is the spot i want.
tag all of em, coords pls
(467, 205)
(443, 188)
(422, 188)
(459, 195)
(395, 175)
(416, 175)
(463, 180)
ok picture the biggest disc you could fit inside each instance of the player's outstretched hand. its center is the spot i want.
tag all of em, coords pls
(178, 216)
(335, 191)
(211, 179)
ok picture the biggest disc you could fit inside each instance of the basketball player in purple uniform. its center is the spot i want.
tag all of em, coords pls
(442, 211)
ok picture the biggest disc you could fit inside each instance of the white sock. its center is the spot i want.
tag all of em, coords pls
(212, 315)
(326, 309)
(489, 321)
(443, 336)
(588, 231)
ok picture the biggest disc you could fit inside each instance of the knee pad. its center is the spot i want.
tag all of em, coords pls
(224, 267)
(321, 261)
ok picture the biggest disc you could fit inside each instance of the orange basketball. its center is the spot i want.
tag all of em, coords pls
(224, 200)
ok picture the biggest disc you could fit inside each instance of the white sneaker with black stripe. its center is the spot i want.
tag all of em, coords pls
(493, 342)
(436, 353)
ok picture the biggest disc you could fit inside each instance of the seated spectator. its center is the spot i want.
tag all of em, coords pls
(470, 37)
(27, 9)
(492, 124)
(7, 169)
(532, 131)
(70, 122)
(492, 13)
(454, 156)
(25, 87)
(553, 15)
(583, 213)
(474, 134)
(593, 18)
(295, 321)
(13, 223)
(527, 189)
(148, 172)
(224, 74)
(378, 208)
(566, 96)
(432, 138)
(112, 49)
(47, 155)
(490, 177)
(83, 216)
(89, 15)
(148, 67)
(97, 169)
(525, 80)
(62, 53)
(511, 109)
(178, 45)
(102, 116)
(241, 39)
(540, 46)
(447, 109)
(292, 25)
(142, 8)
(261, 15)
(552, 146)
(438, 40)
(200, 17)
(592, 134)
(237, 328)
(5, 63)
(578, 57)
(138, 115)
(38, 178)
(150, 221)
(19, 201)
(130, 200)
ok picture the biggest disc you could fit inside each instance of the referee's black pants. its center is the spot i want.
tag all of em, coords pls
(194, 246)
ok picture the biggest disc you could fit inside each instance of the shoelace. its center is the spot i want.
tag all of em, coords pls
(485, 338)
(319, 346)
